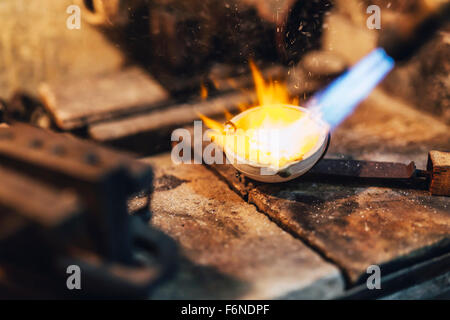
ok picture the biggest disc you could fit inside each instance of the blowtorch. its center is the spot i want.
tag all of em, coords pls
(396, 45)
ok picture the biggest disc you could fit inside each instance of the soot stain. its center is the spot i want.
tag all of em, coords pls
(168, 182)
(348, 207)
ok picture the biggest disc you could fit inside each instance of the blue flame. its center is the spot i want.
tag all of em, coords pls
(342, 96)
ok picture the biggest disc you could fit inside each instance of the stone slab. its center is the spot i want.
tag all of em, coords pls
(229, 249)
(75, 104)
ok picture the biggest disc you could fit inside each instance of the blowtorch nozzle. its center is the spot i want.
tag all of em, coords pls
(408, 36)
(337, 101)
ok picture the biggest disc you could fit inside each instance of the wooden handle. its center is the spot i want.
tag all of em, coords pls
(439, 167)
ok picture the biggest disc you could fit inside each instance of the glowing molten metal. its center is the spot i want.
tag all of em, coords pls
(273, 133)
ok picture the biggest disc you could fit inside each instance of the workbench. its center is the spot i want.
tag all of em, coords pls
(311, 239)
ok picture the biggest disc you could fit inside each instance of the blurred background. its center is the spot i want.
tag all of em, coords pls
(180, 43)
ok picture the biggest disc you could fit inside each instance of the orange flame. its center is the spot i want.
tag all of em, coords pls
(203, 92)
(269, 93)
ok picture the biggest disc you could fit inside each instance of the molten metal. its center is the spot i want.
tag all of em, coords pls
(272, 134)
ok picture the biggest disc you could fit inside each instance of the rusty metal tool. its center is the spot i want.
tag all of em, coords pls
(63, 201)
(436, 178)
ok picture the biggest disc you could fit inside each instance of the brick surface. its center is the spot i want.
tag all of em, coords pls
(229, 249)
